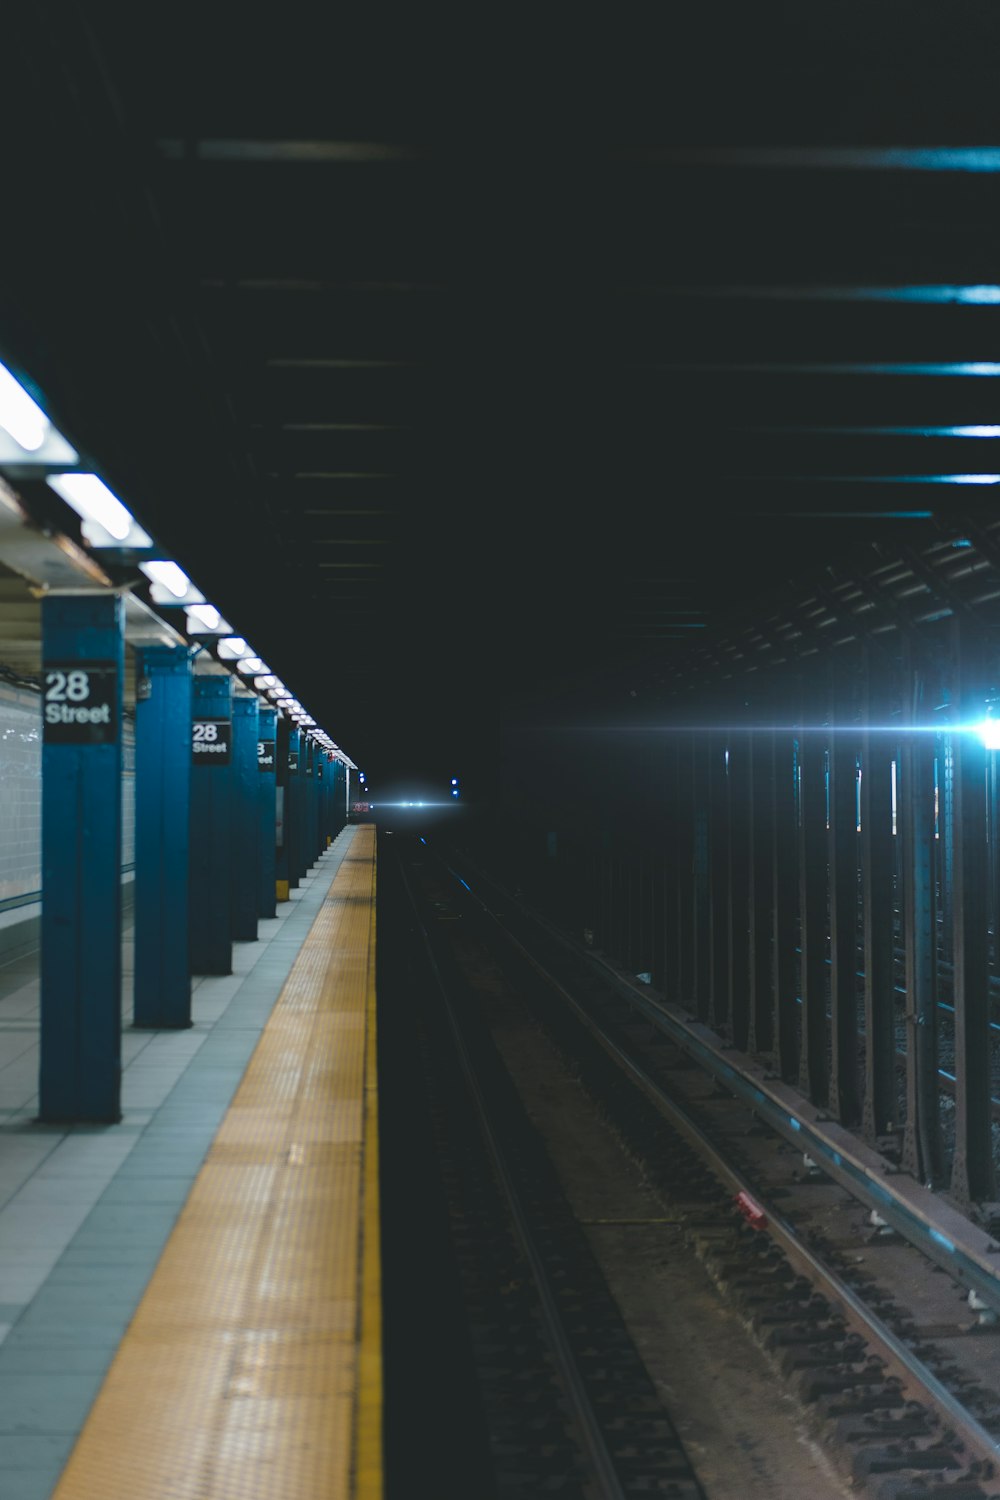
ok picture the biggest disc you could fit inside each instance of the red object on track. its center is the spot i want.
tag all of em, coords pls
(751, 1210)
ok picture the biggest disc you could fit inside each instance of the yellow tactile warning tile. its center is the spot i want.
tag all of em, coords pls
(252, 1368)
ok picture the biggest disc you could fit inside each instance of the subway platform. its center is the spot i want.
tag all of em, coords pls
(190, 1299)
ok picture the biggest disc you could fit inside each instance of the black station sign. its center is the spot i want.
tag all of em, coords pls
(293, 760)
(265, 755)
(211, 742)
(80, 703)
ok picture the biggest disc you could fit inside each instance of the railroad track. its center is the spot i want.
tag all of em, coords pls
(568, 1405)
(867, 1330)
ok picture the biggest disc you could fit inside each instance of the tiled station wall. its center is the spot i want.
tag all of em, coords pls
(21, 797)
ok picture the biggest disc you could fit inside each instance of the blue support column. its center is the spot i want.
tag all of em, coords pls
(211, 904)
(330, 773)
(343, 794)
(322, 790)
(293, 808)
(308, 782)
(309, 836)
(282, 864)
(162, 993)
(267, 789)
(83, 663)
(319, 796)
(305, 783)
(313, 845)
(246, 817)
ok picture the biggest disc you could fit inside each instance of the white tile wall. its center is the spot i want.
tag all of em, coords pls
(21, 793)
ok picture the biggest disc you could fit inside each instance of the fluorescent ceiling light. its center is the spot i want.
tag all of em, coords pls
(170, 585)
(106, 521)
(268, 680)
(204, 619)
(232, 648)
(252, 664)
(169, 574)
(21, 417)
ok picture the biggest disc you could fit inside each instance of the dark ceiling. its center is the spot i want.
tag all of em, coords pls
(483, 368)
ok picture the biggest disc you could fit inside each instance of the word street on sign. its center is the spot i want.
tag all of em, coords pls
(211, 742)
(80, 703)
(265, 755)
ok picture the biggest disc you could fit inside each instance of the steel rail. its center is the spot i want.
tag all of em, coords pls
(583, 1411)
(790, 1120)
(898, 1358)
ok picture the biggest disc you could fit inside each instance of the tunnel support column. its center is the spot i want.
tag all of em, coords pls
(701, 942)
(784, 970)
(212, 825)
(761, 895)
(922, 1147)
(880, 1111)
(740, 782)
(83, 660)
(718, 792)
(972, 1178)
(813, 1068)
(266, 789)
(683, 863)
(162, 993)
(246, 816)
(845, 1099)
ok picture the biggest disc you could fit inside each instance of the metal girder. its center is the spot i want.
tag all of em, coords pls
(760, 892)
(877, 879)
(701, 873)
(813, 980)
(784, 871)
(718, 793)
(923, 1149)
(740, 792)
(843, 879)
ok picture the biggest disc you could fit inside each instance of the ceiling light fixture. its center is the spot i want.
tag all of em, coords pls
(106, 521)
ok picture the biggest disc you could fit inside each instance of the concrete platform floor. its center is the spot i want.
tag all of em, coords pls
(85, 1211)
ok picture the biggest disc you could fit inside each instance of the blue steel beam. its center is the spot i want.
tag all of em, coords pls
(83, 662)
(211, 826)
(162, 986)
(246, 817)
(267, 788)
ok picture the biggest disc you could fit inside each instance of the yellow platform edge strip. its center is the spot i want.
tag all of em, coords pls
(208, 1398)
(368, 1451)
